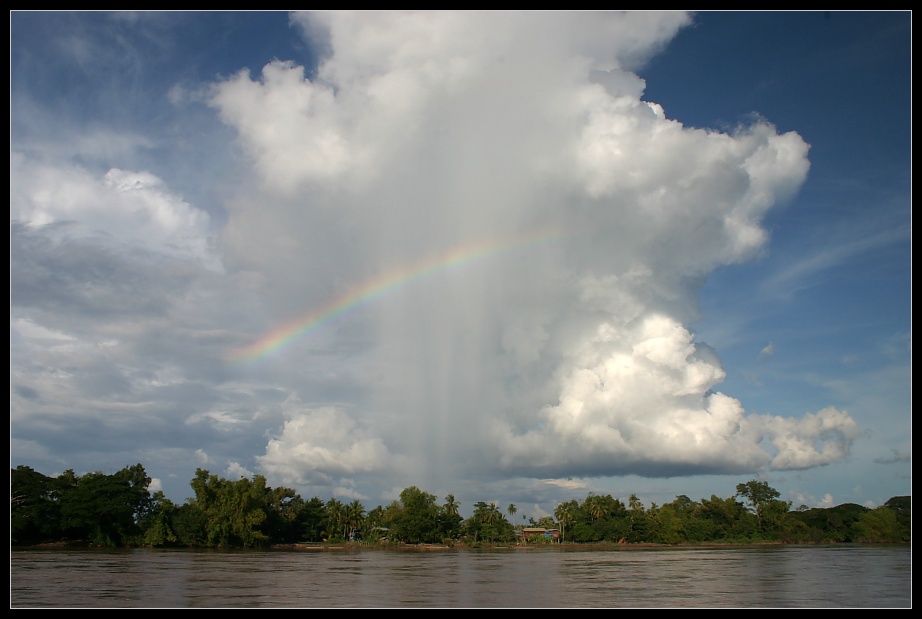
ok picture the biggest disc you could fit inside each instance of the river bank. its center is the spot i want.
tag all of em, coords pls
(352, 546)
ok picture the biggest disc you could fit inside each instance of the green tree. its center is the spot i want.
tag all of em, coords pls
(833, 524)
(634, 503)
(545, 522)
(794, 530)
(158, 524)
(355, 516)
(311, 518)
(335, 519)
(880, 526)
(902, 507)
(450, 521)
(774, 515)
(671, 522)
(637, 519)
(595, 506)
(283, 515)
(566, 516)
(451, 505)
(34, 508)
(414, 518)
(488, 524)
(667, 525)
(760, 496)
(719, 519)
(373, 523)
(190, 524)
(106, 510)
(234, 511)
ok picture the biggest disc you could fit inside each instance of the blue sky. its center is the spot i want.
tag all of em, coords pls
(514, 257)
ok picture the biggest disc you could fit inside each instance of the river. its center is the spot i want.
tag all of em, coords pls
(835, 576)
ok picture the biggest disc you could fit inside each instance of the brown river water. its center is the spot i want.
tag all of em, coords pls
(837, 576)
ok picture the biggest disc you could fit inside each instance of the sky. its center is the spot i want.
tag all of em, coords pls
(516, 257)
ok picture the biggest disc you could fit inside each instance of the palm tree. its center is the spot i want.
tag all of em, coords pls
(511, 510)
(373, 521)
(636, 510)
(484, 518)
(451, 506)
(634, 503)
(564, 514)
(593, 506)
(355, 516)
(334, 517)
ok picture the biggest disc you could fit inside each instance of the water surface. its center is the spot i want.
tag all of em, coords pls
(840, 576)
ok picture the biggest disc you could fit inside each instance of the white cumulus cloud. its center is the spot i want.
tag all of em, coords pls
(316, 444)
(424, 132)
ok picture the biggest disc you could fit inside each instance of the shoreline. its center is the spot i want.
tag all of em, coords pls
(357, 547)
(566, 547)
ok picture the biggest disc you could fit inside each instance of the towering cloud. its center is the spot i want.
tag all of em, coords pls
(566, 348)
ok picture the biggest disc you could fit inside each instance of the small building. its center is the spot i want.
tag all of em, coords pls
(528, 532)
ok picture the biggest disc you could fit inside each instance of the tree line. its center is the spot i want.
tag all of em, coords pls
(119, 510)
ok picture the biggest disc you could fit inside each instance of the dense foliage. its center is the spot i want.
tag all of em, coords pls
(119, 510)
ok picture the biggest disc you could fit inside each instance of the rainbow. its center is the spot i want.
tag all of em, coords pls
(281, 336)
